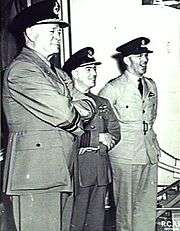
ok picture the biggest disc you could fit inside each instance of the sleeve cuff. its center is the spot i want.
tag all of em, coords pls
(73, 125)
(91, 105)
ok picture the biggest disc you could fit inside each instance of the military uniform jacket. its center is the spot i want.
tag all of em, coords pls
(41, 120)
(136, 116)
(94, 166)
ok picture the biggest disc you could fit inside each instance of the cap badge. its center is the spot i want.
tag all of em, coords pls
(90, 54)
(56, 9)
(143, 43)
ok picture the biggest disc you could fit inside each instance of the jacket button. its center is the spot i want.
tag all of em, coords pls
(127, 106)
(92, 126)
(38, 145)
(143, 111)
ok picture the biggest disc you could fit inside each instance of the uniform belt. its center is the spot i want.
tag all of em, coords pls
(140, 126)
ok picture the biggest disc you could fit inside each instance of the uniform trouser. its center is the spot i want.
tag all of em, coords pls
(89, 209)
(43, 212)
(135, 191)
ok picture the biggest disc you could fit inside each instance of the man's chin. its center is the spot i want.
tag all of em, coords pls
(55, 49)
(143, 71)
(93, 83)
(53, 53)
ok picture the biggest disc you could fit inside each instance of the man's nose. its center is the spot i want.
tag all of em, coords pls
(144, 59)
(94, 72)
(57, 35)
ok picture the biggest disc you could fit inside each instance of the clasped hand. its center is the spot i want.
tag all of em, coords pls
(107, 139)
(1, 155)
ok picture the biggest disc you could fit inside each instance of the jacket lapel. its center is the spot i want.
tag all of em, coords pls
(145, 88)
(149, 92)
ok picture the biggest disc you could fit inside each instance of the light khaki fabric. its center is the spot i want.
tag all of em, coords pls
(134, 159)
(131, 111)
(135, 196)
(51, 211)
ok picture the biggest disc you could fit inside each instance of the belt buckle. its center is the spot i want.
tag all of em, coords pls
(145, 127)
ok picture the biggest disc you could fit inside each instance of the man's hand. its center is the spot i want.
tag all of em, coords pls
(87, 149)
(78, 132)
(1, 155)
(107, 139)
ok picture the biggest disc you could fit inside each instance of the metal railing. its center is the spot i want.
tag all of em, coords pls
(171, 200)
(167, 167)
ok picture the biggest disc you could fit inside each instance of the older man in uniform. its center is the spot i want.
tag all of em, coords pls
(92, 170)
(134, 160)
(43, 123)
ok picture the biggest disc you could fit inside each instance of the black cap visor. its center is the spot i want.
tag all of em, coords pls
(90, 63)
(61, 23)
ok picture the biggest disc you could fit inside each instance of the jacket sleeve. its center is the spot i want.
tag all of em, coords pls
(156, 99)
(112, 123)
(30, 88)
(108, 92)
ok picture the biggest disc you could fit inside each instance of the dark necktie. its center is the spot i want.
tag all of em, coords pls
(140, 86)
(53, 68)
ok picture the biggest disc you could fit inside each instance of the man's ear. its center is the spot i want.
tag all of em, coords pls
(75, 73)
(126, 60)
(31, 34)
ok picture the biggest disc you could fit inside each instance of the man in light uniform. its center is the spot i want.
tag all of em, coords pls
(134, 160)
(44, 123)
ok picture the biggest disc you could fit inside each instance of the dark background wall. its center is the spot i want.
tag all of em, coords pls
(8, 47)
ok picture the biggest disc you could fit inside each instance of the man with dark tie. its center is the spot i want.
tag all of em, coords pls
(134, 160)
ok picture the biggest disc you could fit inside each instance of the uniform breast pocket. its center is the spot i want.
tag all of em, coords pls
(128, 111)
(151, 107)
